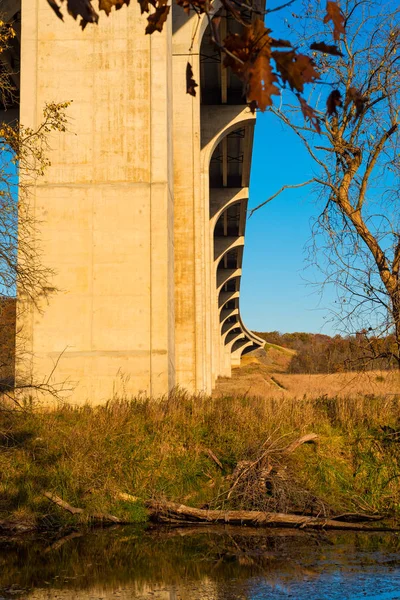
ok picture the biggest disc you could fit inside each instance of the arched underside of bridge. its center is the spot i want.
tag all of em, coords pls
(228, 130)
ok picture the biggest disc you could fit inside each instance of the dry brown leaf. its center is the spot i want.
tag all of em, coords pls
(56, 8)
(306, 67)
(239, 50)
(334, 14)
(144, 6)
(354, 95)
(326, 48)
(107, 5)
(280, 43)
(157, 19)
(295, 69)
(334, 100)
(261, 83)
(310, 114)
(83, 9)
(250, 59)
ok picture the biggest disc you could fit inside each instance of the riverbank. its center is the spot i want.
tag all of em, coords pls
(221, 453)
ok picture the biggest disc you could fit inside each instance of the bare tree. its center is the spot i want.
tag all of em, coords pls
(356, 241)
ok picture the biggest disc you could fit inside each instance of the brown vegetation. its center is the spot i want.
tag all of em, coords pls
(319, 353)
(256, 379)
(225, 453)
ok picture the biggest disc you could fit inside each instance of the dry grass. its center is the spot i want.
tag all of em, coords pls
(160, 449)
(268, 380)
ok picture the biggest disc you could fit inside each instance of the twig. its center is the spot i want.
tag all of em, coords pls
(283, 188)
(214, 458)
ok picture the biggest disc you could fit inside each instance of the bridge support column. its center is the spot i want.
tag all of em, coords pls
(105, 205)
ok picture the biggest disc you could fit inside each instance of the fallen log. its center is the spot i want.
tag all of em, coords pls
(167, 512)
(104, 517)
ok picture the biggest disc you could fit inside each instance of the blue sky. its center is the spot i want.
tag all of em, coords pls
(274, 291)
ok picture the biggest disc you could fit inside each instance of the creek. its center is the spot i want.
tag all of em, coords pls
(203, 563)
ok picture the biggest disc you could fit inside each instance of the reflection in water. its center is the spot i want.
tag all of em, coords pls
(201, 564)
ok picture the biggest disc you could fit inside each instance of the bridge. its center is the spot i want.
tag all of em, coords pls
(142, 212)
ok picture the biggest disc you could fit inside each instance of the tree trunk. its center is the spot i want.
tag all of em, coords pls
(172, 512)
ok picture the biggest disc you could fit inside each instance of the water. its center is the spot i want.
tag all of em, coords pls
(201, 564)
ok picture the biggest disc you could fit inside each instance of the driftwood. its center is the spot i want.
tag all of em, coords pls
(127, 497)
(306, 439)
(60, 502)
(75, 511)
(172, 512)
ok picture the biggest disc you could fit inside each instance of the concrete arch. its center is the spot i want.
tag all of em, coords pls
(226, 313)
(225, 297)
(232, 202)
(237, 353)
(223, 245)
(259, 341)
(241, 344)
(250, 349)
(188, 32)
(240, 247)
(236, 339)
(223, 277)
(223, 198)
(226, 327)
(219, 124)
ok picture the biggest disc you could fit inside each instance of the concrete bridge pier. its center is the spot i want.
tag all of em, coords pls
(142, 212)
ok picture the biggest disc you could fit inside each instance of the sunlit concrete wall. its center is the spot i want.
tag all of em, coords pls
(105, 205)
(124, 210)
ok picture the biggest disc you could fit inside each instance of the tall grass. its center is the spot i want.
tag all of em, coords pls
(160, 449)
